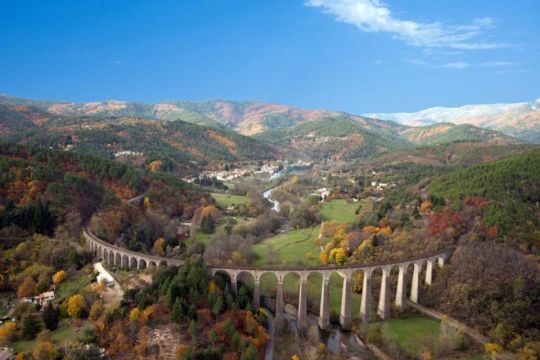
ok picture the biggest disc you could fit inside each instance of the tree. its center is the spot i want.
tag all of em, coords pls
(76, 305)
(60, 276)
(218, 306)
(30, 327)
(44, 350)
(134, 314)
(51, 316)
(27, 287)
(493, 349)
(177, 312)
(208, 225)
(96, 310)
(7, 332)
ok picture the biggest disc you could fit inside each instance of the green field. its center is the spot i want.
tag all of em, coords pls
(73, 285)
(339, 210)
(415, 333)
(225, 200)
(65, 334)
(290, 248)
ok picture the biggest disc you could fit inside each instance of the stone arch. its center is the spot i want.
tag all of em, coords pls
(111, 258)
(142, 264)
(133, 262)
(162, 263)
(247, 293)
(105, 255)
(268, 283)
(125, 262)
(152, 265)
(291, 288)
(224, 279)
(118, 259)
(100, 253)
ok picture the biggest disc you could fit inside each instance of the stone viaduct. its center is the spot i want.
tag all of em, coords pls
(130, 259)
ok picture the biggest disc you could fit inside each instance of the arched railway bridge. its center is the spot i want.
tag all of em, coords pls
(130, 259)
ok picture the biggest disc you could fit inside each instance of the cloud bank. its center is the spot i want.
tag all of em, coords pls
(373, 16)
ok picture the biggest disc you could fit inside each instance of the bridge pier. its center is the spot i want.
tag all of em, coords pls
(401, 286)
(384, 297)
(415, 287)
(429, 271)
(257, 293)
(279, 302)
(345, 313)
(324, 313)
(302, 303)
(234, 283)
(365, 306)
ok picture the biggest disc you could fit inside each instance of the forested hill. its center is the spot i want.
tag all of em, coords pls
(511, 189)
(346, 137)
(171, 145)
(41, 188)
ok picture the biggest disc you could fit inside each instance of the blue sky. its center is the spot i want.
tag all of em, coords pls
(353, 55)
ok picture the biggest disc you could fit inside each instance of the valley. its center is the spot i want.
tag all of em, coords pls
(331, 198)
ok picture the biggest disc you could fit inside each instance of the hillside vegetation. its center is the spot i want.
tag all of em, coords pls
(169, 145)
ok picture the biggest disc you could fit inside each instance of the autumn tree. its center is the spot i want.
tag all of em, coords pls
(26, 288)
(59, 277)
(7, 332)
(76, 306)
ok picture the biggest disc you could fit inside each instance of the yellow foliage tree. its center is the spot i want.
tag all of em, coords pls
(324, 257)
(212, 286)
(155, 165)
(295, 357)
(147, 314)
(134, 314)
(75, 306)
(147, 202)
(44, 351)
(60, 276)
(493, 349)
(340, 256)
(7, 332)
(159, 245)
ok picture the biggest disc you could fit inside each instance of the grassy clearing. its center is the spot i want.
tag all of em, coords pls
(339, 210)
(290, 248)
(65, 334)
(73, 285)
(225, 200)
(415, 333)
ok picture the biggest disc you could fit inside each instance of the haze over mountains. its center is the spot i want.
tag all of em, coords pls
(185, 131)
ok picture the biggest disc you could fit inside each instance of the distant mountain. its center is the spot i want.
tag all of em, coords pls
(117, 126)
(443, 133)
(173, 144)
(351, 137)
(247, 118)
(521, 120)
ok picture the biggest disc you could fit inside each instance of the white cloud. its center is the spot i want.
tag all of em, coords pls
(373, 16)
(498, 64)
(455, 65)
